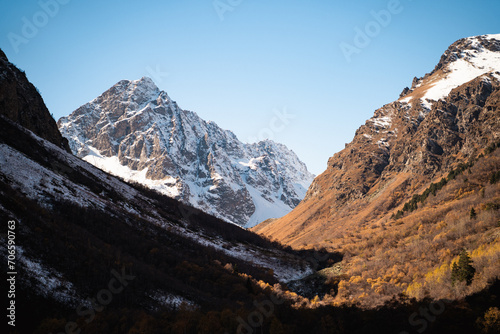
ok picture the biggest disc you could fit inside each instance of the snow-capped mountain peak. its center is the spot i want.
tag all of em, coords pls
(465, 60)
(134, 130)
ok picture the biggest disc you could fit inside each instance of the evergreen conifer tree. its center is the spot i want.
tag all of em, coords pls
(463, 270)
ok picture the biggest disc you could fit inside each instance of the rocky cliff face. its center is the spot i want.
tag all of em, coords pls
(21, 103)
(136, 131)
(446, 117)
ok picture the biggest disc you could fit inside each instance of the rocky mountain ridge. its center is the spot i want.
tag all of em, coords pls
(446, 118)
(136, 131)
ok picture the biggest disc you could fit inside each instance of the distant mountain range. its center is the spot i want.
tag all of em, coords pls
(137, 132)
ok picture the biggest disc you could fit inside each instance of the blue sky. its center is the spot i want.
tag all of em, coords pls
(241, 63)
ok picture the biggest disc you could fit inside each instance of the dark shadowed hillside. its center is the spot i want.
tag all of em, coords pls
(21, 102)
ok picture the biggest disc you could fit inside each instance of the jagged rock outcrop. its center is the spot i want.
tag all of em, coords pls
(21, 103)
(136, 131)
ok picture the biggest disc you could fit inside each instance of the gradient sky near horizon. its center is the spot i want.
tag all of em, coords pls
(240, 62)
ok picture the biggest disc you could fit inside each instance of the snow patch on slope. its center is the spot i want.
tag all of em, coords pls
(48, 281)
(38, 182)
(382, 122)
(168, 185)
(264, 208)
(166, 299)
(285, 268)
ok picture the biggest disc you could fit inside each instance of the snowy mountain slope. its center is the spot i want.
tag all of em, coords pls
(137, 132)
